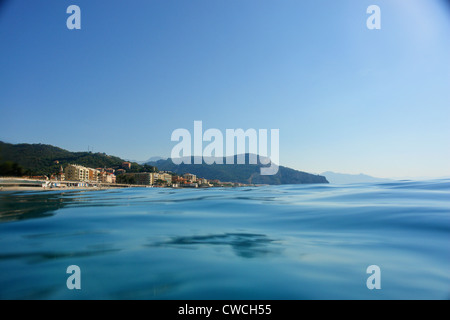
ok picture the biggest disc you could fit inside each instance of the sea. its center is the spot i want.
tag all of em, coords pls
(287, 242)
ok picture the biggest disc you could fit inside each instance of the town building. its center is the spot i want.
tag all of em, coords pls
(144, 178)
(61, 176)
(162, 176)
(126, 165)
(178, 180)
(190, 177)
(75, 172)
(106, 177)
(93, 175)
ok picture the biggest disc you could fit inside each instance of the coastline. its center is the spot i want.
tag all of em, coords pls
(24, 184)
(19, 188)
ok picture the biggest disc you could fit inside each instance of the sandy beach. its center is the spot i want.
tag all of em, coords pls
(23, 184)
(18, 188)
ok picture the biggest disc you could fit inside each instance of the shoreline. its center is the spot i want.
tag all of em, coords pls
(18, 188)
(8, 184)
(24, 184)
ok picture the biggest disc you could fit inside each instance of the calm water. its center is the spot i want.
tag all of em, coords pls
(275, 242)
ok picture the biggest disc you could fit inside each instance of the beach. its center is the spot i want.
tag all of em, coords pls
(23, 184)
(19, 188)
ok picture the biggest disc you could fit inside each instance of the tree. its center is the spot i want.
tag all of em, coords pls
(160, 182)
(12, 169)
(125, 179)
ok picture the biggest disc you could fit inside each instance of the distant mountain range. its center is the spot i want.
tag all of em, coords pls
(42, 159)
(151, 159)
(242, 173)
(342, 178)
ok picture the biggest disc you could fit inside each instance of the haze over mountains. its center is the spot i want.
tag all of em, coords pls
(343, 178)
(151, 159)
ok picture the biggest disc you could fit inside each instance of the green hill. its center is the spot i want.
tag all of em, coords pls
(40, 159)
(242, 173)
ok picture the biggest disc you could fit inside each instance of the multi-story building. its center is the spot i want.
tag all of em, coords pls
(106, 177)
(144, 178)
(93, 174)
(190, 177)
(61, 176)
(75, 172)
(162, 176)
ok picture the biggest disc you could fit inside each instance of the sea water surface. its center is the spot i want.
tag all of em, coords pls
(270, 242)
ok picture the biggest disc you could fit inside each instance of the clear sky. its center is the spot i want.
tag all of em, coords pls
(345, 98)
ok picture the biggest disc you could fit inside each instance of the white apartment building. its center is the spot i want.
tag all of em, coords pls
(162, 176)
(75, 172)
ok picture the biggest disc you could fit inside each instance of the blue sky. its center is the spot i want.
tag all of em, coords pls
(345, 98)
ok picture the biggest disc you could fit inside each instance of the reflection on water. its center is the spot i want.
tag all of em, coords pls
(18, 207)
(29, 205)
(271, 242)
(245, 245)
(38, 257)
